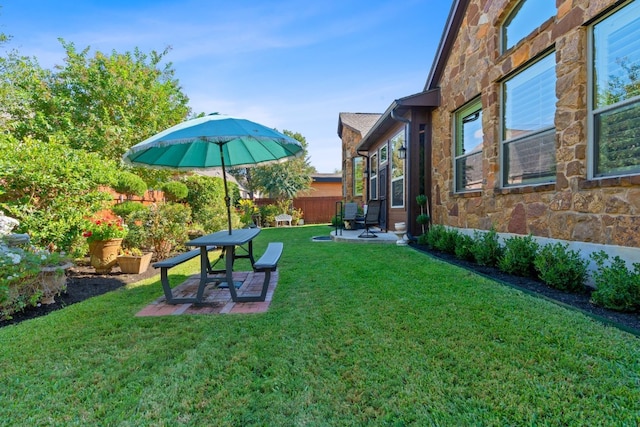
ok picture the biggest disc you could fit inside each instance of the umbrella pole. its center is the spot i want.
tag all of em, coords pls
(227, 200)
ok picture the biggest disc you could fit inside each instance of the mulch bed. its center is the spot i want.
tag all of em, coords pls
(84, 283)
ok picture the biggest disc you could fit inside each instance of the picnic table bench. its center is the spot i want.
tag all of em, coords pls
(267, 263)
(168, 263)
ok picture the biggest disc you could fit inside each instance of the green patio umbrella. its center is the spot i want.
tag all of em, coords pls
(214, 141)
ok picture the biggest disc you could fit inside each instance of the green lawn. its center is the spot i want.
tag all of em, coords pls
(356, 335)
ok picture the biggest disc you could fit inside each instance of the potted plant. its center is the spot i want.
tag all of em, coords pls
(297, 217)
(30, 276)
(104, 238)
(134, 261)
(423, 218)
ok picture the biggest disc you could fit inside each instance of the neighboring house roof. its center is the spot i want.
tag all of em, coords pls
(327, 177)
(359, 122)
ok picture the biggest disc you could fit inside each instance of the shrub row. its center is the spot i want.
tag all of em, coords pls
(617, 287)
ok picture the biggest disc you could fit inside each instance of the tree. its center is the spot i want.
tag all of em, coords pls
(51, 198)
(25, 97)
(206, 198)
(103, 104)
(284, 180)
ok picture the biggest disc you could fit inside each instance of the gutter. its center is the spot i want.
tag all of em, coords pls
(398, 118)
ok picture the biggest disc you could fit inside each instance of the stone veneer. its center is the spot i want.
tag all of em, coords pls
(604, 211)
(350, 140)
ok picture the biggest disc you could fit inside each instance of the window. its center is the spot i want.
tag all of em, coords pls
(528, 133)
(525, 17)
(397, 171)
(358, 182)
(615, 105)
(468, 147)
(383, 154)
(373, 177)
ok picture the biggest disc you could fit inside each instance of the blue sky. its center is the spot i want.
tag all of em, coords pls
(287, 64)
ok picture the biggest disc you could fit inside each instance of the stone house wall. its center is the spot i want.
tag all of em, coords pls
(350, 140)
(602, 211)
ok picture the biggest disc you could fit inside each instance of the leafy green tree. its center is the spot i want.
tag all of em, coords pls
(25, 98)
(114, 101)
(51, 198)
(284, 180)
(206, 198)
(100, 103)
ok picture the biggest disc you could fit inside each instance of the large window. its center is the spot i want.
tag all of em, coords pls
(524, 18)
(468, 147)
(528, 132)
(358, 182)
(397, 171)
(615, 104)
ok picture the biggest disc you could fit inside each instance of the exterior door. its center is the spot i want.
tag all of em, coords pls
(383, 185)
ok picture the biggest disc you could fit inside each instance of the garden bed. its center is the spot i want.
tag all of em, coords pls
(82, 283)
(580, 301)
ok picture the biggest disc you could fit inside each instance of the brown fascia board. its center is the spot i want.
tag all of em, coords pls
(426, 99)
(454, 20)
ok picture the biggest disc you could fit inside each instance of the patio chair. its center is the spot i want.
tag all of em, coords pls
(350, 214)
(371, 218)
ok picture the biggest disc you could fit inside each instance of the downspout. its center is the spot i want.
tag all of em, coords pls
(408, 122)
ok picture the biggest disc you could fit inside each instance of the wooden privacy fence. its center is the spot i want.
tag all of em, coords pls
(317, 210)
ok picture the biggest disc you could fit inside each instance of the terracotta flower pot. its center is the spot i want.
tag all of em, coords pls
(104, 254)
(131, 264)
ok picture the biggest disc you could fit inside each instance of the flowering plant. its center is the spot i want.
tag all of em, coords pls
(130, 252)
(104, 230)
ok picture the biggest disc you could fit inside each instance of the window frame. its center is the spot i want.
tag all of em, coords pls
(401, 135)
(513, 15)
(383, 154)
(529, 136)
(373, 177)
(358, 170)
(472, 107)
(595, 111)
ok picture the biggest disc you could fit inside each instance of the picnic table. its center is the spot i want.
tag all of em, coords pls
(228, 243)
(267, 263)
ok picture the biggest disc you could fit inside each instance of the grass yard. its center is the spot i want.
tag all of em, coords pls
(356, 335)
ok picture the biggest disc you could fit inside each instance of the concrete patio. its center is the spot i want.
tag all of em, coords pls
(353, 236)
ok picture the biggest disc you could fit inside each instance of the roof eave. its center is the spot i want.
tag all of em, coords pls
(426, 99)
